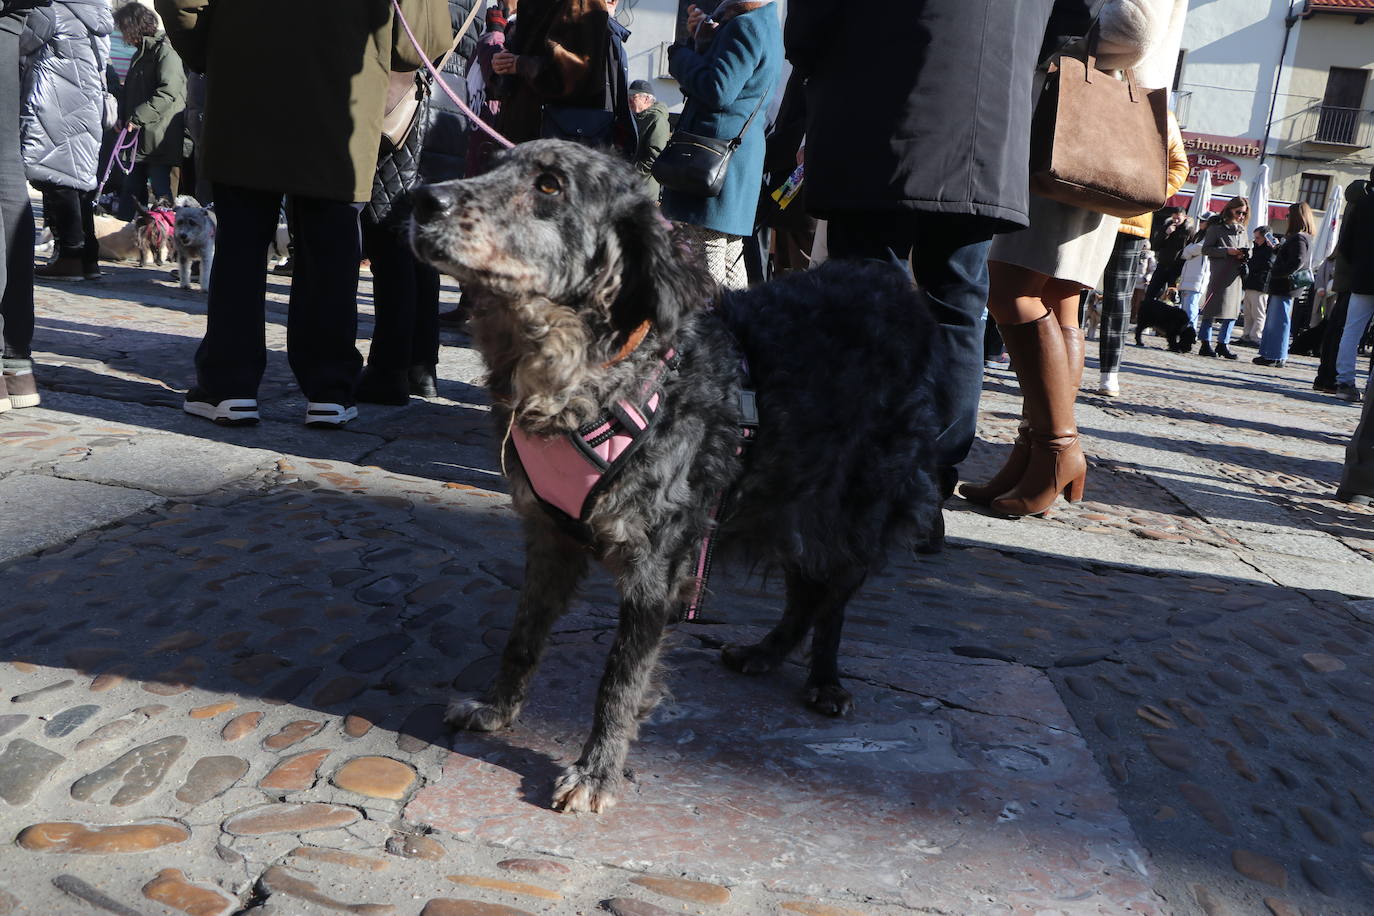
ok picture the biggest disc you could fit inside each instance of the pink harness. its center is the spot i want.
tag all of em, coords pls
(569, 472)
(165, 218)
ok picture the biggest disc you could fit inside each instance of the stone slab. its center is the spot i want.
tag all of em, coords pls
(949, 778)
(45, 511)
(169, 465)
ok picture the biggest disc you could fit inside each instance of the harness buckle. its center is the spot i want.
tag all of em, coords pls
(748, 408)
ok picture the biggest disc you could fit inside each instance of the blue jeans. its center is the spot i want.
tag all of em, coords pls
(1277, 325)
(1223, 337)
(1188, 301)
(948, 255)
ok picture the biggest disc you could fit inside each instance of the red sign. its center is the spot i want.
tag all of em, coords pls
(1223, 146)
(1223, 170)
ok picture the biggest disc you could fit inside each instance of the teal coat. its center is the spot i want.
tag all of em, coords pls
(738, 71)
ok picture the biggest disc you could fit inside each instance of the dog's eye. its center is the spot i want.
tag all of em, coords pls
(548, 184)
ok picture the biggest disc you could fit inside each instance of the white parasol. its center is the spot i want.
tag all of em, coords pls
(1202, 197)
(1259, 199)
(1328, 233)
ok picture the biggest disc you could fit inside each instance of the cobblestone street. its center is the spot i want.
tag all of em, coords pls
(224, 654)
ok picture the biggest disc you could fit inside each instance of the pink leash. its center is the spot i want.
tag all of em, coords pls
(126, 142)
(439, 79)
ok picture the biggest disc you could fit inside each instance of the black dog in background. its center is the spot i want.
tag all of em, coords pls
(1168, 321)
(581, 295)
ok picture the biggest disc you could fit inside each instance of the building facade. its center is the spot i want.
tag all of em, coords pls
(1323, 132)
(1282, 82)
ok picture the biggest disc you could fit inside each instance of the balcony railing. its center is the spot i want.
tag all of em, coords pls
(1341, 126)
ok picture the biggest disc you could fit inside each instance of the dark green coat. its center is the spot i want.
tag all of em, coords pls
(154, 98)
(654, 131)
(296, 89)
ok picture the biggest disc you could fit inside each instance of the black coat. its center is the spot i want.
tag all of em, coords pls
(1357, 242)
(1258, 267)
(919, 105)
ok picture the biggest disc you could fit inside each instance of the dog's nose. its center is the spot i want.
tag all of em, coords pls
(433, 201)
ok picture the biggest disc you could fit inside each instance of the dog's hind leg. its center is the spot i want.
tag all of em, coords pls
(554, 564)
(593, 783)
(832, 594)
(207, 263)
(771, 651)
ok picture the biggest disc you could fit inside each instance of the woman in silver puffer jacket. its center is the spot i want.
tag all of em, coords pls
(64, 50)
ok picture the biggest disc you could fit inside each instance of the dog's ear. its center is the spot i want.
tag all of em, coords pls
(659, 281)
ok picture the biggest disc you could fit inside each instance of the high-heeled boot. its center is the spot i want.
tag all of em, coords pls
(1055, 463)
(1015, 465)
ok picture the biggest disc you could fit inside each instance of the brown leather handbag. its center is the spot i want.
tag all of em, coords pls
(1099, 142)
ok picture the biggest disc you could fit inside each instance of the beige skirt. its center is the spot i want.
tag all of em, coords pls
(1064, 242)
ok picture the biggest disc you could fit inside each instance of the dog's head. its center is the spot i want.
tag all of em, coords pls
(194, 224)
(559, 238)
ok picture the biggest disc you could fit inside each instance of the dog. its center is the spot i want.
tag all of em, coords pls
(1168, 321)
(195, 240)
(154, 227)
(584, 307)
(1309, 341)
(1092, 315)
(118, 238)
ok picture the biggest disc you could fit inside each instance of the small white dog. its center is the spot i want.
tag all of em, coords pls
(195, 240)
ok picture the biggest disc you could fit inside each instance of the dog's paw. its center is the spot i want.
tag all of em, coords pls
(476, 716)
(831, 699)
(578, 790)
(185, 285)
(753, 659)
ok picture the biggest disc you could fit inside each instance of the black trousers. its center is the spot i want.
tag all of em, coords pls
(322, 320)
(70, 214)
(405, 296)
(16, 213)
(948, 256)
(1331, 341)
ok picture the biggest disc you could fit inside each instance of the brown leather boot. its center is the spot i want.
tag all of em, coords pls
(1055, 462)
(1015, 466)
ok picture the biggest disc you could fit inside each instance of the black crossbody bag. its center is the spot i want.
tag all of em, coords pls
(696, 165)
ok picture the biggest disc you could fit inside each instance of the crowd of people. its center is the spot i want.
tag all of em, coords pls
(843, 141)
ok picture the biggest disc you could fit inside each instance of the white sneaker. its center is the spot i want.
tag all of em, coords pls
(226, 412)
(1109, 387)
(323, 414)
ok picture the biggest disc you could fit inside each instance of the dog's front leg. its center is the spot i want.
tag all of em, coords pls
(207, 262)
(823, 690)
(554, 564)
(768, 653)
(593, 783)
(184, 272)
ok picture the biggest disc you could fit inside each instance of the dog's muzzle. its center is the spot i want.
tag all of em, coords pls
(433, 202)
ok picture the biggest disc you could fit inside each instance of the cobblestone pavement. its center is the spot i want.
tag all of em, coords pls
(223, 655)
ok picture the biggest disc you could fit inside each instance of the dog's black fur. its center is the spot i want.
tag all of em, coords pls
(561, 255)
(1309, 341)
(1169, 321)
